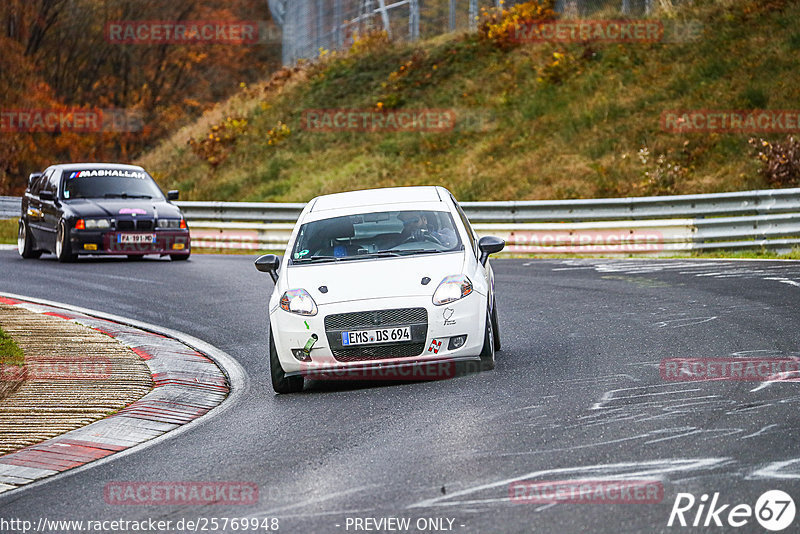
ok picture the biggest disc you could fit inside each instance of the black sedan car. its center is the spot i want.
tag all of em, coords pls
(100, 208)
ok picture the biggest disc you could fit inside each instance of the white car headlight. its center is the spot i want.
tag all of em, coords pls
(97, 223)
(452, 288)
(298, 301)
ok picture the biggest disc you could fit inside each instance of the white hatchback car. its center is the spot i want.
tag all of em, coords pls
(377, 284)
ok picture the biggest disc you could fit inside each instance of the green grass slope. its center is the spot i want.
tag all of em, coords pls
(534, 121)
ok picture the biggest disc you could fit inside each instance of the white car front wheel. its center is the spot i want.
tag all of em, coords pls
(280, 382)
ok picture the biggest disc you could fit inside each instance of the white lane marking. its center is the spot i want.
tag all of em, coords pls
(774, 469)
(712, 268)
(610, 395)
(683, 431)
(656, 469)
(784, 281)
(737, 411)
(317, 500)
(725, 432)
(657, 394)
(593, 380)
(531, 407)
(688, 321)
(754, 434)
(786, 376)
(571, 447)
(761, 386)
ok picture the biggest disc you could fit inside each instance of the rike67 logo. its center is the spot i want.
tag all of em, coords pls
(774, 510)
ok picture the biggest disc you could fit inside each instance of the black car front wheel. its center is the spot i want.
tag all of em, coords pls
(25, 245)
(63, 246)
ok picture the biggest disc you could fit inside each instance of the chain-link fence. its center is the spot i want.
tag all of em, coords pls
(311, 25)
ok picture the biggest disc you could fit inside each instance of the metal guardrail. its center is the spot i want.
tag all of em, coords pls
(10, 207)
(240, 211)
(604, 209)
(641, 225)
(637, 208)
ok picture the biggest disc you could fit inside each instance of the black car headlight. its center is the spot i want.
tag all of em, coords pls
(171, 223)
(97, 224)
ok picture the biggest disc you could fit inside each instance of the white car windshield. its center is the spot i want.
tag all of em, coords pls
(374, 235)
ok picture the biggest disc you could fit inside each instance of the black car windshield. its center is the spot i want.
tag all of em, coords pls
(110, 183)
(376, 235)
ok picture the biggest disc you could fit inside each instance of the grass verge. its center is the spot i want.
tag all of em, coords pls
(8, 231)
(534, 121)
(10, 353)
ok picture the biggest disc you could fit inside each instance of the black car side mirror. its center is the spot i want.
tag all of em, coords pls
(173, 194)
(490, 245)
(269, 263)
(32, 178)
(47, 195)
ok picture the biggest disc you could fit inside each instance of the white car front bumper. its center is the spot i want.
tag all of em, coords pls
(291, 332)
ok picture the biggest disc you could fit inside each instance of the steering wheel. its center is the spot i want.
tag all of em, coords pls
(427, 236)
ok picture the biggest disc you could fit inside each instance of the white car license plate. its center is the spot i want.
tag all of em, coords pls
(380, 335)
(136, 238)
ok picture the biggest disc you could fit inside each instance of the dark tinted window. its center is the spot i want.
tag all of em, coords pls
(39, 182)
(110, 183)
(384, 233)
(52, 181)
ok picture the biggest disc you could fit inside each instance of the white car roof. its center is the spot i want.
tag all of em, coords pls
(373, 197)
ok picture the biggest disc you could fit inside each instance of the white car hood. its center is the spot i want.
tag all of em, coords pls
(375, 278)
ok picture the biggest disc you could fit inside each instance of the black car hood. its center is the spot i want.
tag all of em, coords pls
(116, 208)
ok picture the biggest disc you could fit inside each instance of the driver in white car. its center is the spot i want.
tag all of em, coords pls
(419, 226)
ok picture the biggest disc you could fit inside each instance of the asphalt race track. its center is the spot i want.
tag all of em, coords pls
(577, 394)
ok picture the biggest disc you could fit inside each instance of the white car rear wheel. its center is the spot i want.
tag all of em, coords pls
(487, 354)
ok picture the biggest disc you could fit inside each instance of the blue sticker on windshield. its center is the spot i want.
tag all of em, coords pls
(339, 251)
(298, 255)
